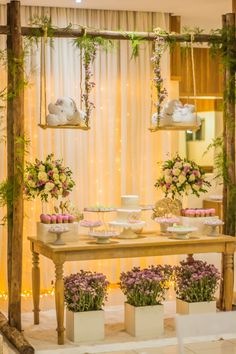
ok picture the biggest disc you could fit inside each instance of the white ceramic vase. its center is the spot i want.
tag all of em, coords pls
(144, 321)
(187, 308)
(85, 326)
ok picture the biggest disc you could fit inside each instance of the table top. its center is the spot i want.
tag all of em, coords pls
(87, 243)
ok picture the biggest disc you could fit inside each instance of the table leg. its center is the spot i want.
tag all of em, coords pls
(228, 281)
(35, 285)
(59, 298)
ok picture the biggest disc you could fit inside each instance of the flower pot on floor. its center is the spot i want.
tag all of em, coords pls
(186, 308)
(85, 326)
(144, 321)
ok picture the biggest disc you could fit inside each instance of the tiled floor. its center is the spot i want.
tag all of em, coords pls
(217, 347)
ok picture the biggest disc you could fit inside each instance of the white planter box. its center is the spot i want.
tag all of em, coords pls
(85, 326)
(47, 237)
(186, 308)
(144, 321)
(198, 222)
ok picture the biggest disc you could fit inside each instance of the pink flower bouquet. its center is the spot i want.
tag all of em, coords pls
(181, 176)
(47, 178)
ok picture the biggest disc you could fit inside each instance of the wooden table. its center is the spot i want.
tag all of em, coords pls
(85, 249)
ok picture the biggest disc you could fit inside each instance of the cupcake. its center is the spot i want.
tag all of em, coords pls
(54, 219)
(59, 219)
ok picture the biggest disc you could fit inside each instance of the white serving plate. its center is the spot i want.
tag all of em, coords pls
(128, 225)
(181, 232)
(103, 236)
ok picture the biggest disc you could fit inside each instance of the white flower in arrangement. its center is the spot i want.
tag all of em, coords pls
(55, 170)
(167, 172)
(176, 171)
(60, 190)
(182, 179)
(178, 165)
(188, 188)
(178, 185)
(32, 184)
(195, 187)
(42, 176)
(56, 177)
(41, 168)
(63, 177)
(192, 178)
(168, 179)
(49, 186)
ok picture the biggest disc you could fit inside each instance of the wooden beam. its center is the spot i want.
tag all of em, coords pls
(234, 6)
(15, 337)
(116, 35)
(15, 161)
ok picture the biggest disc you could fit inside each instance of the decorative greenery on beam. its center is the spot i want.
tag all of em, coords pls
(117, 35)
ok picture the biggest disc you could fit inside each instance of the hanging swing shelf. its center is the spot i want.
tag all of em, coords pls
(46, 126)
(193, 128)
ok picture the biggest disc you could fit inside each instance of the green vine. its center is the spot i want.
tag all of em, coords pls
(11, 187)
(136, 42)
(89, 46)
(41, 24)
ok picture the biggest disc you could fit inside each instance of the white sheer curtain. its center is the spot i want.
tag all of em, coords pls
(118, 155)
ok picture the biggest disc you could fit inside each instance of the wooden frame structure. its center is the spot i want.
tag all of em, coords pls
(15, 130)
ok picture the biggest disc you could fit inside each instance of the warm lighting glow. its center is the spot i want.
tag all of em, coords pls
(78, 1)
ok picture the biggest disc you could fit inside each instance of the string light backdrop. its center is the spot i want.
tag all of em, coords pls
(118, 155)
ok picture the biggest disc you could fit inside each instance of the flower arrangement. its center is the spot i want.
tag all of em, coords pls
(196, 281)
(182, 176)
(146, 287)
(47, 178)
(85, 291)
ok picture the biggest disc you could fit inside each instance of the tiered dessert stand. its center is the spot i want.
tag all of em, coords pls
(104, 235)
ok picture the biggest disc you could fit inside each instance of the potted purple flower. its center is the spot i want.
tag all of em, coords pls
(145, 290)
(85, 294)
(195, 284)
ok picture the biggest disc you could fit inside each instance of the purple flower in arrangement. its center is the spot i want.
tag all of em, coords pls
(50, 173)
(40, 183)
(196, 281)
(85, 291)
(146, 287)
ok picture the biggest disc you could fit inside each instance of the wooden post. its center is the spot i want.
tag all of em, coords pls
(175, 56)
(15, 162)
(229, 192)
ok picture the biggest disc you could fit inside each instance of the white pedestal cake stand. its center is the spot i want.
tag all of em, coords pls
(128, 228)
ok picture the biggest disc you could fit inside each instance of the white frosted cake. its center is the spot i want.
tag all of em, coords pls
(130, 202)
(127, 215)
(129, 210)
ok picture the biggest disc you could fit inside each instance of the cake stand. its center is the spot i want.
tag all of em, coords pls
(214, 224)
(103, 236)
(165, 223)
(129, 228)
(58, 231)
(90, 224)
(181, 232)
